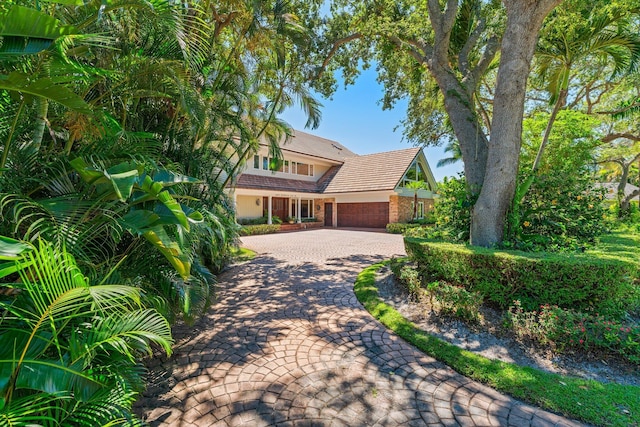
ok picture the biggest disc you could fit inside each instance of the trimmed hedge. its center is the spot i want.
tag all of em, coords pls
(400, 227)
(581, 282)
(251, 230)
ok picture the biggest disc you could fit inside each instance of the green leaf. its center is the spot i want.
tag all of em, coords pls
(66, 2)
(11, 249)
(126, 331)
(171, 250)
(168, 178)
(45, 88)
(139, 221)
(170, 203)
(118, 180)
(20, 21)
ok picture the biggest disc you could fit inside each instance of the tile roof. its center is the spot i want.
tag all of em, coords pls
(285, 184)
(276, 184)
(372, 172)
(311, 145)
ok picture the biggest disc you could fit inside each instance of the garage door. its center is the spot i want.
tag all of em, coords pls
(370, 215)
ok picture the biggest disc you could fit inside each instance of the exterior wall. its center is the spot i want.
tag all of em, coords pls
(382, 196)
(246, 207)
(400, 209)
(319, 213)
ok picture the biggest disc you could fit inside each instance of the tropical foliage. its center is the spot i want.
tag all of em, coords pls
(121, 126)
(71, 348)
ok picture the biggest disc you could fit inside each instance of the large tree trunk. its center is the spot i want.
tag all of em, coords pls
(524, 20)
(458, 97)
(623, 202)
(471, 137)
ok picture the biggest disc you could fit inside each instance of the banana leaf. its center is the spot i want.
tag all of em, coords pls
(46, 88)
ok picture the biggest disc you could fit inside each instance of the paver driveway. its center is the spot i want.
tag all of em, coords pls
(288, 344)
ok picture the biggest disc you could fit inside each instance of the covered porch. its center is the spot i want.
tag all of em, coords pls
(288, 207)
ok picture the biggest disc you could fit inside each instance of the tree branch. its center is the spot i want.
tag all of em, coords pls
(463, 57)
(621, 110)
(614, 136)
(334, 48)
(418, 50)
(490, 51)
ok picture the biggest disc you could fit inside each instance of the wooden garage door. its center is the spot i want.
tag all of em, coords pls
(370, 215)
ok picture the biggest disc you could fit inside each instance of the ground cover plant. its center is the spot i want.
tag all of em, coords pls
(586, 400)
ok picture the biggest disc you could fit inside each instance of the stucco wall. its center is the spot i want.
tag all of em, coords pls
(246, 207)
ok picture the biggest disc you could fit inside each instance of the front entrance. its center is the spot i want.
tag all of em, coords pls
(279, 206)
(328, 214)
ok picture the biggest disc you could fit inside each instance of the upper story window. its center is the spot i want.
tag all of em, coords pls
(302, 169)
(284, 166)
(416, 173)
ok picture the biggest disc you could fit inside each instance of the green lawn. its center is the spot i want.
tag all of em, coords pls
(621, 244)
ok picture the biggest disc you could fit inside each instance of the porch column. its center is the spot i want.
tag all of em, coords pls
(235, 204)
(269, 211)
(299, 210)
(290, 214)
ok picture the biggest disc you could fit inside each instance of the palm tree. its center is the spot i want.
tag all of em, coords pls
(415, 186)
(602, 38)
(452, 147)
(71, 348)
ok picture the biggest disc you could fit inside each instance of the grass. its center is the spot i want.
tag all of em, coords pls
(621, 244)
(585, 400)
(242, 254)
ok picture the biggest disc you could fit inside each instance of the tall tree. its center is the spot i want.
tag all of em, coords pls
(455, 42)
(524, 20)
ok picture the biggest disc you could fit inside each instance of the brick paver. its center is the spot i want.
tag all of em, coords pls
(288, 344)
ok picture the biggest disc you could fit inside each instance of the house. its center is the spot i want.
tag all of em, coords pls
(322, 179)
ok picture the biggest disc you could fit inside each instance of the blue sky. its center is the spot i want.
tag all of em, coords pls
(355, 118)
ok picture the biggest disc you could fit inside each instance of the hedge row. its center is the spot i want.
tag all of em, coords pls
(581, 282)
(250, 230)
(400, 227)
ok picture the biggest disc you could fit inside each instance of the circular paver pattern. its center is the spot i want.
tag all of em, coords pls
(288, 344)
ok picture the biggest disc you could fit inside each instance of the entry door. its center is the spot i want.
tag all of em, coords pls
(328, 214)
(280, 207)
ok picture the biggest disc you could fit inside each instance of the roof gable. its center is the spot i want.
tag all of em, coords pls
(372, 172)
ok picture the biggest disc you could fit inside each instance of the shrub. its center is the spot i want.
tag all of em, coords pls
(252, 221)
(456, 301)
(570, 329)
(429, 219)
(559, 212)
(573, 281)
(408, 276)
(400, 227)
(452, 210)
(250, 230)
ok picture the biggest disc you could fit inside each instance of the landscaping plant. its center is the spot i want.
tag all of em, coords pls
(71, 348)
